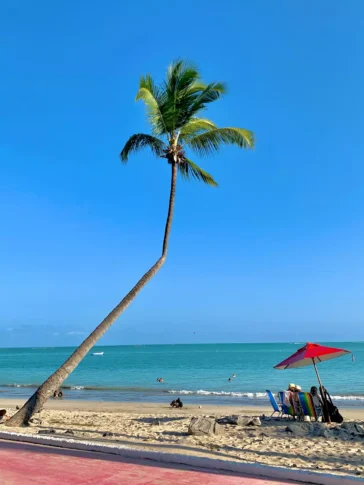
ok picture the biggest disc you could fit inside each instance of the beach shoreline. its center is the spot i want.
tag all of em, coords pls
(157, 408)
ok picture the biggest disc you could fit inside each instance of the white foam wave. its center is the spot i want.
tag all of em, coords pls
(202, 392)
(348, 398)
(77, 388)
(251, 395)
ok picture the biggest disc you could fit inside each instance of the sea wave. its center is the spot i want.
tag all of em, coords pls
(253, 395)
(348, 398)
(202, 392)
(19, 385)
(182, 392)
(90, 388)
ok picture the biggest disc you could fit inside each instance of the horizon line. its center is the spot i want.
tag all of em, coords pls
(179, 344)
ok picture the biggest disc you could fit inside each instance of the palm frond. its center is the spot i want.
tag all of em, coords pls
(189, 170)
(195, 126)
(174, 110)
(139, 141)
(210, 141)
(197, 87)
(152, 96)
(196, 98)
(212, 92)
(181, 76)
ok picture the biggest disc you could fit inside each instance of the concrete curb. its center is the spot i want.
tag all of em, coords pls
(277, 473)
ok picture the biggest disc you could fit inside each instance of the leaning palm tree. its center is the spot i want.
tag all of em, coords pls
(174, 110)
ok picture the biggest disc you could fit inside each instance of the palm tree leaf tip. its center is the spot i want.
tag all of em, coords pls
(196, 125)
(211, 141)
(189, 170)
(139, 141)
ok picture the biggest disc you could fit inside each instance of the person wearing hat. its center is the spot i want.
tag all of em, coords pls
(291, 387)
(296, 402)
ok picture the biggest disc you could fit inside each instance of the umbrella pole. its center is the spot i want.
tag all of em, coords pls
(322, 391)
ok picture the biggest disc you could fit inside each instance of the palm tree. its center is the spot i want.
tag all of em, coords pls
(174, 108)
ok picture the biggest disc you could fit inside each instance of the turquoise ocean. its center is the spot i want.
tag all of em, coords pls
(196, 373)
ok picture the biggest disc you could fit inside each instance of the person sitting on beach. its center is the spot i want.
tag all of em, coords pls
(295, 392)
(296, 402)
(289, 394)
(317, 400)
(3, 416)
(58, 393)
(177, 403)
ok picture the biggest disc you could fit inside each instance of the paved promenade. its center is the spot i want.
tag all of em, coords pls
(25, 464)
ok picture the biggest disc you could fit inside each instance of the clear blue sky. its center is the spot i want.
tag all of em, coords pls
(276, 253)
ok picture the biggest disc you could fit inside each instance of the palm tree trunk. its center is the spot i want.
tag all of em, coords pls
(45, 391)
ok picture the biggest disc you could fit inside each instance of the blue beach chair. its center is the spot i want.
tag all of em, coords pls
(286, 410)
(276, 407)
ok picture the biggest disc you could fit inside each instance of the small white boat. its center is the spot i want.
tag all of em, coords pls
(98, 353)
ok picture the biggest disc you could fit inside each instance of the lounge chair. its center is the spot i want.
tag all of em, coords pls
(307, 405)
(277, 408)
(287, 410)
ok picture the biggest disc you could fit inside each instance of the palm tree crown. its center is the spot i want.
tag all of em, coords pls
(174, 109)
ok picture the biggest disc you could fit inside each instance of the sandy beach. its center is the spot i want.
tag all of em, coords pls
(159, 427)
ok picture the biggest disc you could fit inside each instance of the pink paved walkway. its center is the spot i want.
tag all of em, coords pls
(23, 464)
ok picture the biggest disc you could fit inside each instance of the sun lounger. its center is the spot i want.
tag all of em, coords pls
(287, 405)
(307, 405)
(277, 408)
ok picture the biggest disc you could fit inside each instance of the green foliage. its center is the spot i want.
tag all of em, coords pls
(195, 126)
(174, 111)
(136, 142)
(152, 97)
(210, 141)
(190, 170)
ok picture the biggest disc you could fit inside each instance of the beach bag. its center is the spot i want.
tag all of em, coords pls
(333, 411)
(335, 416)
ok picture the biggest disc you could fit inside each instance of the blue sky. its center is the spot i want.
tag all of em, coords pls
(275, 253)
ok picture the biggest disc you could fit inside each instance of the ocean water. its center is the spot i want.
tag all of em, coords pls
(196, 373)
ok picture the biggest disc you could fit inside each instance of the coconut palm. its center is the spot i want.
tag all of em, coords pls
(174, 110)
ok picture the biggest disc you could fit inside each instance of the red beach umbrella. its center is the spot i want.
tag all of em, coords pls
(311, 354)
